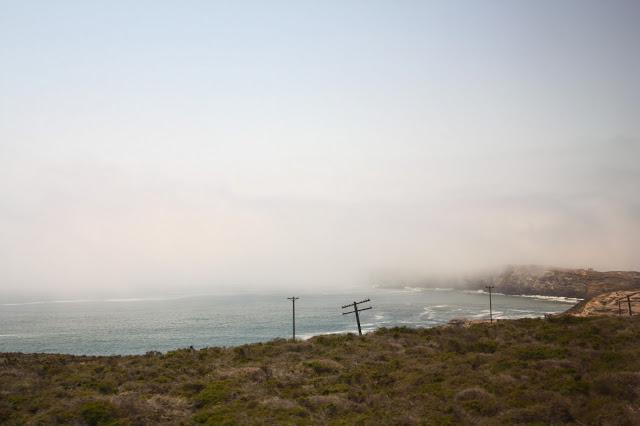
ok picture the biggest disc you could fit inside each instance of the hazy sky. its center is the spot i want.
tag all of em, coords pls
(226, 145)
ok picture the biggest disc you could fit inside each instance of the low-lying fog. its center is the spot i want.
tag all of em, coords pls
(221, 149)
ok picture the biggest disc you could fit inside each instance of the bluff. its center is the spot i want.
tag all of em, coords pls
(620, 303)
(552, 281)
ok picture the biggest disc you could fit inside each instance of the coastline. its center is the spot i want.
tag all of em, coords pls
(392, 376)
(138, 326)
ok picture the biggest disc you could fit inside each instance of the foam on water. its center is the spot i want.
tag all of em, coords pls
(571, 300)
(134, 326)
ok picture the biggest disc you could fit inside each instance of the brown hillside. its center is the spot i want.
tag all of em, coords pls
(612, 303)
(550, 281)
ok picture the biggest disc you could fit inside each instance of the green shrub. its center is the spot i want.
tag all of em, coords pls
(323, 365)
(107, 387)
(98, 413)
(214, 393)
(537, 352)
(192, 388)
(336, 388)
(486, 346)
(477, 401)
(242, 353)
(571, 385)
(612, 359)
(623, 385)
(216, 417)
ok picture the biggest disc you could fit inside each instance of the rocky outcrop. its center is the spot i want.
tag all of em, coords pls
(612, 303)
(550, 281)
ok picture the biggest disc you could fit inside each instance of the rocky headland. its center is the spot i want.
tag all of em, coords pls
(559, 282)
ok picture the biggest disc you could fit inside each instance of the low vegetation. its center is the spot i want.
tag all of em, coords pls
(561, 370)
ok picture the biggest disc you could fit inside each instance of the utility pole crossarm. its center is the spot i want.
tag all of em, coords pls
(357, 311)
(357, 303)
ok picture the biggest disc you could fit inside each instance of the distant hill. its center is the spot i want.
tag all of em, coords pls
(552, 281)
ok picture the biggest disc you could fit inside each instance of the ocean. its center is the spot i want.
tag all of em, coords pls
(136, 326)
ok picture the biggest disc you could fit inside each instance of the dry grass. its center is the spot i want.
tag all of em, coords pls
(562, 370)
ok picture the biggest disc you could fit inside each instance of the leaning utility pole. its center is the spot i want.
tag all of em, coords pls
(490, 287)
(293, 303)
(357, 310)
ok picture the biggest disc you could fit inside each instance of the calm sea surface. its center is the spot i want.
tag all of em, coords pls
(135, 326)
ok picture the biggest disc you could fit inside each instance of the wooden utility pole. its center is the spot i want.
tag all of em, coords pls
(629, 304)
(293, 304)
(357, 311)
(490, 287)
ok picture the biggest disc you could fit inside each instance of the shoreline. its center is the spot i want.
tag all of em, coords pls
(434, 315)
(561, 299)
(443, 374)
(470, 319)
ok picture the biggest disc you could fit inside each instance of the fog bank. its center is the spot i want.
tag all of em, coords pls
(161, 149)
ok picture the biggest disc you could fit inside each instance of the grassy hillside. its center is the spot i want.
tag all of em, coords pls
(560, 370)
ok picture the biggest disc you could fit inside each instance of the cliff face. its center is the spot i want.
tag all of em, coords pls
(549, 281)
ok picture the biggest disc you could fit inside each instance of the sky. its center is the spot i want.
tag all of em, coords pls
(222, 146)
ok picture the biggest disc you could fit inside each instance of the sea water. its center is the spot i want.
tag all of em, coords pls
(136, 326)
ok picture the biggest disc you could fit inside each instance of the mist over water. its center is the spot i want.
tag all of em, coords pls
(158, 150)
